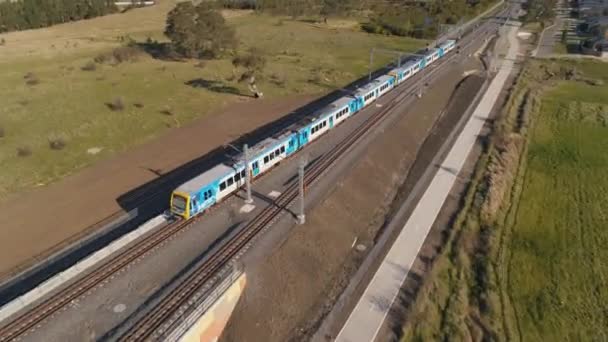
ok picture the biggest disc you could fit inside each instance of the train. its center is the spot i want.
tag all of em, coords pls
(207, 189)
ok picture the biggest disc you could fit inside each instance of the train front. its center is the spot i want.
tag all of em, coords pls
(180, 204)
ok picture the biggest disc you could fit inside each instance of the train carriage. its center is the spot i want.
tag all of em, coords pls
(268, 153)
(342, 108)
(378, 87)
(406, 71)
(447, 46)
(199, 193)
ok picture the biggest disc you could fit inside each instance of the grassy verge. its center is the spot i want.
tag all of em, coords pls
(525, 257)
(51, 93)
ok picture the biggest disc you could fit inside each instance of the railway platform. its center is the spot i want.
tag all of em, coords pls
(368, 316)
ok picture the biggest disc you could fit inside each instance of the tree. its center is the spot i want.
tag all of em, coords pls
(329, 8)
(199, 31)
(253, 62)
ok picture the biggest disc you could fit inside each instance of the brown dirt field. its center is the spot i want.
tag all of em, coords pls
(38, 220)
(289, 292)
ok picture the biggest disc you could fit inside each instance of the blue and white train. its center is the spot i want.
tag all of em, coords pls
(209, 188)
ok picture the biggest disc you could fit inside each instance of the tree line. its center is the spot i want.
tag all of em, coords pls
(31, 14)
(420, 19)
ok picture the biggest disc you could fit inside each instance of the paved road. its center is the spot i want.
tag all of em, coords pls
(373, 307)
(553, 34)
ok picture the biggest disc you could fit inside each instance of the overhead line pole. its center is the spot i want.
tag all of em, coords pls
(248, 199)
(301, 214)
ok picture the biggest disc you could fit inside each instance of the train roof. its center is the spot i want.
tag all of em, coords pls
(204, 179)
(372, 85)
(329, 109)
(408, 65)
(340, 103)
(259, 148)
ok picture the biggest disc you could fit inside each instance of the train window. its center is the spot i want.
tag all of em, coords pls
(266, 160)
(230, 181)
(237, 177)
(222, 186)
(243, 174)
(282, 149)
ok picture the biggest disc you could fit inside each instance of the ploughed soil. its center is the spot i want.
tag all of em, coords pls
(35, 223)
(288, 294)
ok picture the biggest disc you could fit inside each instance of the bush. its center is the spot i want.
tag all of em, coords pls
(119, 55)
(24, 151)
(116, 105)
(138, 105)
(167, 111)
(238, 4)
(56, 144)
(90, 66)
(126, 54)
(31, 79)
(2, 42)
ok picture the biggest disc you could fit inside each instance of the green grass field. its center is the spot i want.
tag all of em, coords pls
(559, 260)
(70, 103)
(535, 269)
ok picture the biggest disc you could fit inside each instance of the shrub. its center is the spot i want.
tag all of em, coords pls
(119, 55)
(57, 143)
(24, 151)
(31, 79)
(2, 42)
(138, 105)
(90, 66)
(116, 105)
(278, 80)
(126, 54)
(167, 111)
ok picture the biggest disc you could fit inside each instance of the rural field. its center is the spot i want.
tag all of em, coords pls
(526, 257)
(559, 262)
(60, 111)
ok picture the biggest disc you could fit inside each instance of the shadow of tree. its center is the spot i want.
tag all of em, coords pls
(159, 50)
(214, 86)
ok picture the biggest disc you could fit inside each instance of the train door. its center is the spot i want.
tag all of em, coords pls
(331, 122)
(292, 146)
(303, 137)
(255, 166)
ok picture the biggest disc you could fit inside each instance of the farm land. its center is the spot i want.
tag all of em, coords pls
(525, 258)
(64, 106)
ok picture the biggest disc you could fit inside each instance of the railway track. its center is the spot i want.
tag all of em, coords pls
(147, 327)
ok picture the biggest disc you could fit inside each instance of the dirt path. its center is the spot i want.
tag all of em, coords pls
(288, 294)
(33, 223)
